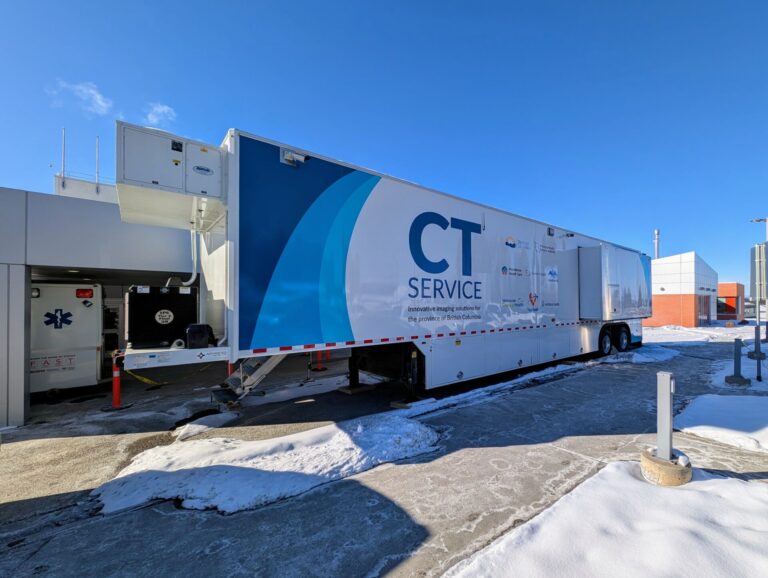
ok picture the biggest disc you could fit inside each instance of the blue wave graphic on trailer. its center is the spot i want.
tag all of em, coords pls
(306, 299)
(295, 227)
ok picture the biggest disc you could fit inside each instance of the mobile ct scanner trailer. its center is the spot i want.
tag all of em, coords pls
(303, 253)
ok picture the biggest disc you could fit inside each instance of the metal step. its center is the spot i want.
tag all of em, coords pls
(246, 378)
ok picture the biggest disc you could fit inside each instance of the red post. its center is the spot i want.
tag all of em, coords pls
(115, 382)
(230, 369)
(319, 361)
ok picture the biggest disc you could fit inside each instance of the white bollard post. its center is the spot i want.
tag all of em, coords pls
(665, 387)
(665, 467)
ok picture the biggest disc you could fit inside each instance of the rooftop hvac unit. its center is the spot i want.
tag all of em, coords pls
(166, 180)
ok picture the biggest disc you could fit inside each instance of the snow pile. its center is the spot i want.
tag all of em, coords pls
(203, 424)
(737, 420)
(617, 524)
(232, 475)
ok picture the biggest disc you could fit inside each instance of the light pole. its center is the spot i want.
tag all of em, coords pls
(759, 273)
(762, 220)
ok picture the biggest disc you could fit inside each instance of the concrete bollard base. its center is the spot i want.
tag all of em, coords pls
(737, 380)
(666, 473)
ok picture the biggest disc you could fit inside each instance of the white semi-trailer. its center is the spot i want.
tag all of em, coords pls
(299, 253)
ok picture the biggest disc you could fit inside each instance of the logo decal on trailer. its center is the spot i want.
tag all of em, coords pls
(58, 318)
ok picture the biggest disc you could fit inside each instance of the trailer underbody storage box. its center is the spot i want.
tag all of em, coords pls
(159, 316)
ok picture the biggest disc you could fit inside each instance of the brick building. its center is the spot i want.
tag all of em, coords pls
(684, 291)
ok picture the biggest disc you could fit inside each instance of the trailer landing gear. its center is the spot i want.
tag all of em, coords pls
(355, 386)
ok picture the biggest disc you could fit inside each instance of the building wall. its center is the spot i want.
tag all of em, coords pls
(69, 232)
(673, 310)
(13, 226)
(14, 344)
(705, 283)
(733, 295)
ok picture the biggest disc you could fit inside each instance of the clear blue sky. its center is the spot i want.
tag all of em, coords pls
(610, 118)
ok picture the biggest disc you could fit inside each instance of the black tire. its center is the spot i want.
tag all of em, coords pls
(604, 343)
(622, 339)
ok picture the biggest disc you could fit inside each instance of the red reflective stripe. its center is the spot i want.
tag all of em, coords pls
(428, 336)
(384, 339)
(310, 346)
(260, 350)
(350, 343)
(286, 347)
(367, 340)
(331, 344)
(414, 336)
(399, 338)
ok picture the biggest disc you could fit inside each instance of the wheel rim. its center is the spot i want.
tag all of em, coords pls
(624, 340)
(606, 344)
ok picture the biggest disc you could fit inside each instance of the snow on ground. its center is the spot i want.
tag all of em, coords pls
(617, 524)
(231, 475)
(481, 394)
(203, 424)
(646, 354)
(696, 335)
(738, 420)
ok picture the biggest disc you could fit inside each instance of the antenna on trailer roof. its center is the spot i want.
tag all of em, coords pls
(656, 235)
(63, 156)
(97, 165)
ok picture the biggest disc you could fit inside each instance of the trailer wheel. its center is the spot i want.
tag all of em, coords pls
(604, 343)
(623, 339)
